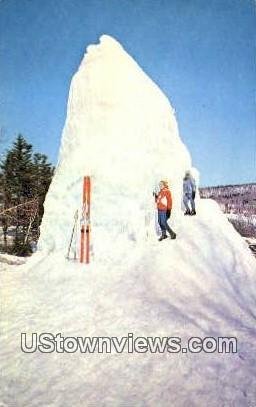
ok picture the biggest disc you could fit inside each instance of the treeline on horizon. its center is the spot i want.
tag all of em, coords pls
(25, 177)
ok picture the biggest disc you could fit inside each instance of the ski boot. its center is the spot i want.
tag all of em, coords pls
(187, 212)
(162, 238)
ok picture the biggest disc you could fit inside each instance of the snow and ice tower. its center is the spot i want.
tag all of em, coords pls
(120, 130)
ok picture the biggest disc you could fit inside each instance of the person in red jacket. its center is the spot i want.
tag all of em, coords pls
(164, 207)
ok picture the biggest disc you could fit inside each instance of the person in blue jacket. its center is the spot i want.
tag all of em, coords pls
(189, 193)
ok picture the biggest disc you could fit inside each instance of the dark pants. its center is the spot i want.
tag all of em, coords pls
(162, 220)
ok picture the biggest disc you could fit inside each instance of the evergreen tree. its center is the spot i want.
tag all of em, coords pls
(41, 174)
(41, 178)
(16, 171)
(24, 177)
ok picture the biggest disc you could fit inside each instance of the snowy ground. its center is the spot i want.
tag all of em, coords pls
(202, 284)
(11, 260)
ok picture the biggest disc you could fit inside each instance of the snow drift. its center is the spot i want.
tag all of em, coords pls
(121, 130)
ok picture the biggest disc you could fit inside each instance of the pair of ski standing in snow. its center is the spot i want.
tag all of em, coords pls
(164, 203)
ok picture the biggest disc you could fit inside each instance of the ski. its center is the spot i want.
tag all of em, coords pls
(85, 222)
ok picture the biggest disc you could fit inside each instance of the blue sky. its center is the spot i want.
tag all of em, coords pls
(201, 54)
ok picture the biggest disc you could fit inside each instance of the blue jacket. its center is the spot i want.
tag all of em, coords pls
(189, 186)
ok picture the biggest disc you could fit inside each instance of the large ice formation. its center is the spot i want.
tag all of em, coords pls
(121, 130)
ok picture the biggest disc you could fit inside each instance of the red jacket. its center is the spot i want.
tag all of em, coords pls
(164, 200)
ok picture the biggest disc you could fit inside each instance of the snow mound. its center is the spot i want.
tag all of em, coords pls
(121, 130)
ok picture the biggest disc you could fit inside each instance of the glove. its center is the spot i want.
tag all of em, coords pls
(193, 194)
(168, 213)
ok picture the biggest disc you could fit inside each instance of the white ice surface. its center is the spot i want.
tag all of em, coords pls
(121, 130)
